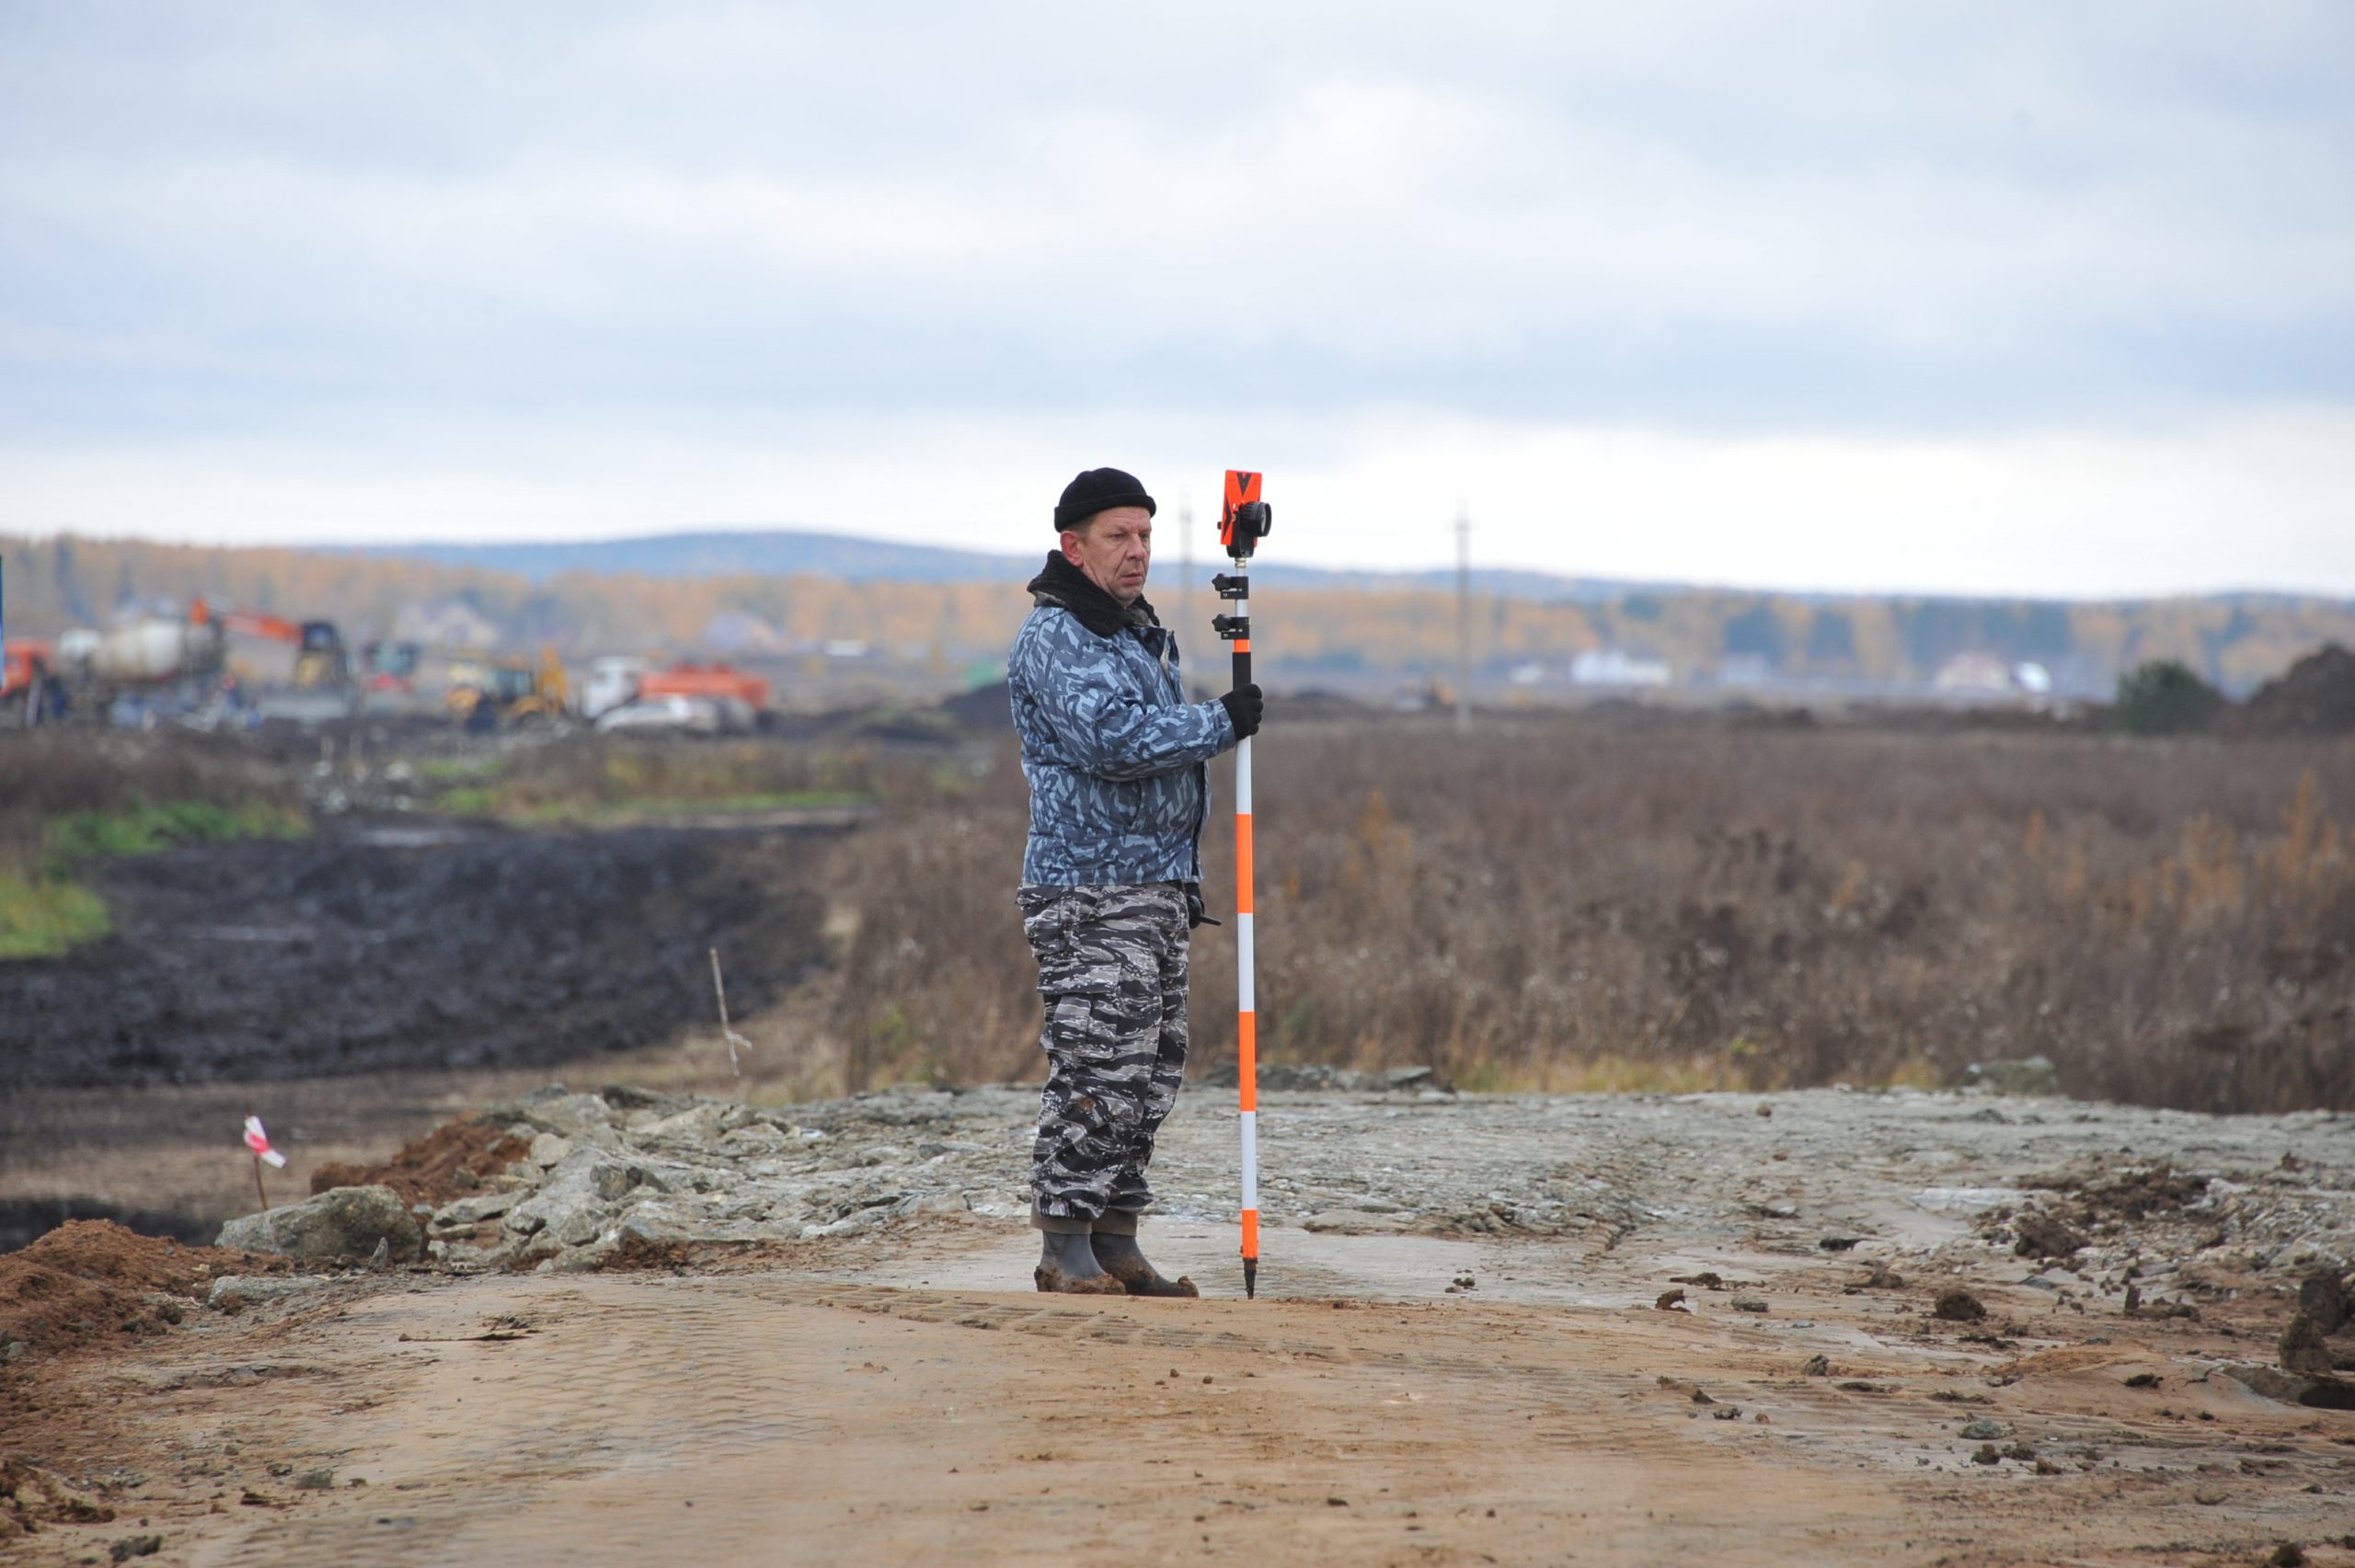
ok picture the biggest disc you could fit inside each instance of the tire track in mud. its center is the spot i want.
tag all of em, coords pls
(704, 1392)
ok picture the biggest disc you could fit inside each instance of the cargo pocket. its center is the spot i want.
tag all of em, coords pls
(1066, 965)
(1103, 1000)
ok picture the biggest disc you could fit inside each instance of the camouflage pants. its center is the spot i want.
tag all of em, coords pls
(1113, 969)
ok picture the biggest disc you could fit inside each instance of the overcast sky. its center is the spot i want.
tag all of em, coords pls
(1968, 297)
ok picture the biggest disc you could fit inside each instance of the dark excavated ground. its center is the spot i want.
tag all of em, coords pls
(394, 946)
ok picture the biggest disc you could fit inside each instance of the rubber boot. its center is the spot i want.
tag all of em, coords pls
(1124, 1262)
(1067, 1267)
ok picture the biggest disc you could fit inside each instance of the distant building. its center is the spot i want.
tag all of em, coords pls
(740, 631)
(1745, 670)
(1974, 675)
(448, 624)
(1617, 667)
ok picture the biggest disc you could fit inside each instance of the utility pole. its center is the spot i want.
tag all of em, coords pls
(1186, 557)
(1463, 620)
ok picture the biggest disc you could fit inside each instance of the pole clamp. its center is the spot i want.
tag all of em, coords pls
(1231, 587)
(1231, 626)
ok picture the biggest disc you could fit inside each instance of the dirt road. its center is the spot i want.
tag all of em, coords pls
(889, 1395)
(785, 1415)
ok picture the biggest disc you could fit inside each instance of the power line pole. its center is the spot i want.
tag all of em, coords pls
(1463, 620)
(1186, 558)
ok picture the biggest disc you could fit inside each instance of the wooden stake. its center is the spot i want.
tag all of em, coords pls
(720, 990)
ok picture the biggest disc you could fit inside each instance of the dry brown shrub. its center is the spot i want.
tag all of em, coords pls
(1579, 901)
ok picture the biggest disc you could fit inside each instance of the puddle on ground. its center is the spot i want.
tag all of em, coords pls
(1293, 1264)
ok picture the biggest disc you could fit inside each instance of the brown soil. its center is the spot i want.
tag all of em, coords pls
(445, 1164)
(31, 1499)
(640, 1253)
(92, 1282)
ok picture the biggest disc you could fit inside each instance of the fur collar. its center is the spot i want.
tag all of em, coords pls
(1065, 587)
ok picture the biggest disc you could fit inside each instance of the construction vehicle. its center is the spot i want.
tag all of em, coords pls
(28, 689)
(21, 661)
(489, 692)
(613, 681)
(320, 658)
(389, 667)
(710, 699)
(180, 668)
(321, 690)
(718, 682)
(151, 651)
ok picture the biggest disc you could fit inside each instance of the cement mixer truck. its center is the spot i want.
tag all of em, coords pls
(150, 651)
(160, 666)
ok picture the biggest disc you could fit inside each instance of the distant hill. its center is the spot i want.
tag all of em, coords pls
(791, 552)
(773, 553)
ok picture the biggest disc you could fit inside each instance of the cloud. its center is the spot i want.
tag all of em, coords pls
(1721, 213)
(1859, 231)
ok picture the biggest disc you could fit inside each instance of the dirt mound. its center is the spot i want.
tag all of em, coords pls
(642, 1253)
(396, 947)
(2099, 1195)
(452, 1161)
(2315, 697)
(90, 1281)
(989, 709)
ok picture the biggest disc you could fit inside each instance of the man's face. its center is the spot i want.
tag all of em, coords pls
(1114, 550)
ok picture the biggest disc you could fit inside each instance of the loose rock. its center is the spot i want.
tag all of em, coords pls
(341, 1225)
(1959, 1306)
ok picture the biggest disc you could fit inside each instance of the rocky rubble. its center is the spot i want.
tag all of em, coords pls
(2151, 1212)
(627, 1166)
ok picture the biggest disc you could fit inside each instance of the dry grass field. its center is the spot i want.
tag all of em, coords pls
(1607, 899)
(1611, 900)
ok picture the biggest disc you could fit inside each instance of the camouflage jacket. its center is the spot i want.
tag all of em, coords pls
(1113, 751)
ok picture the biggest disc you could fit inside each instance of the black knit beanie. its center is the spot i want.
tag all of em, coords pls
(1100, 489)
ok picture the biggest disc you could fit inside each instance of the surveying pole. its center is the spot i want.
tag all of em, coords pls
(1243, 522)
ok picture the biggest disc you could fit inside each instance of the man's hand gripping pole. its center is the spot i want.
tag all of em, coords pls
(1243, 522)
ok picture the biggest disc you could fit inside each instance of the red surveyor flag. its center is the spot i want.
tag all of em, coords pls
(259, 1142)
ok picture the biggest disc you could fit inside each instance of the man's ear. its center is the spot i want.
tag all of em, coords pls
(1070, 548)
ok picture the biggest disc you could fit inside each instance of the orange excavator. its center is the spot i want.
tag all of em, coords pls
(320, 657)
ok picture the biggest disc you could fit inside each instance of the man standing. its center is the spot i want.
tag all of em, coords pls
(1111, 876)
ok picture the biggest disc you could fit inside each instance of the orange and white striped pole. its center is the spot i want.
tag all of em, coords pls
(1243, 522)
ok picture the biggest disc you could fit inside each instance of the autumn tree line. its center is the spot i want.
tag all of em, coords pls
(2231, 641)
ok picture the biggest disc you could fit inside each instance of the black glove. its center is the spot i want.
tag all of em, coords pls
(1244, 707)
